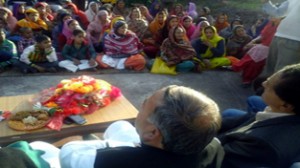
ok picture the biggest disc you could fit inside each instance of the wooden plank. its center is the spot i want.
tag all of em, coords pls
(120, 109)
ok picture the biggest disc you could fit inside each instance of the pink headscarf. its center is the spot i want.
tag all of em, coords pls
(191, 29)
(197, 31)
(67, 32)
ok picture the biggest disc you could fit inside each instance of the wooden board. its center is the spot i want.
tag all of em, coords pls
(120, 109)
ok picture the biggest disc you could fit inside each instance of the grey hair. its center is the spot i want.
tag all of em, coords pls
(188, 120)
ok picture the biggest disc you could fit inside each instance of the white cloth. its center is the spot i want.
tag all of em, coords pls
(289, 26)
(83, 153)
(51, 152)
(268, 114)
(117, 63)
(69, 65)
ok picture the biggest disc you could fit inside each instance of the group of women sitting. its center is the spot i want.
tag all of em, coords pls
(128, 38)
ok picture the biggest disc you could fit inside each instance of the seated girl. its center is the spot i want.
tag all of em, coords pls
(199, 29)
(187, 23)
(122, 49)
(136, 23)
(78, 53)
(211, 48)
(236, 43)
(69, 26)
(177, 50)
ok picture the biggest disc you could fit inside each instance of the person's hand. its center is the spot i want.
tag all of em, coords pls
(39, 68)
(76, 61)
(208, 44)
(92, 62)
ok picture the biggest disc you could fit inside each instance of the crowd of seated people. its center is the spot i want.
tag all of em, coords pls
(218, 40)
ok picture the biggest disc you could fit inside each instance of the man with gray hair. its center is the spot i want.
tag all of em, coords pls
(175, 127)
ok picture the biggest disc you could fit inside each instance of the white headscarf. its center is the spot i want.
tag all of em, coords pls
(90, 14)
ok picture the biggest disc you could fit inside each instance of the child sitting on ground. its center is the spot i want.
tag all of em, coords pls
(78, 53)
(8, 51)
(27, 39)
(40, 57)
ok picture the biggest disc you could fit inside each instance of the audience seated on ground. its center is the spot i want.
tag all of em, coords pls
(199, 30)
(227, 32)
(78, 54)
(27, 39)
(235, 44)
(122, 49)
(120, 9)
(189, 26)
(136, 23)
(270, 138)
(40, 57)
(176, 50)
(92, 11)
(97, 28)
(221, 22)
(8, 52)
(146, 14)
(77, 15)
(210, 48)
(254, 60)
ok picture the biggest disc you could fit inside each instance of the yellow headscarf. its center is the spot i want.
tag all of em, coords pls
(34, 25)
(113, 21)
(214, 41)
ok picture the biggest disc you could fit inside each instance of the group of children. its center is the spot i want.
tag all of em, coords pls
(114, 36)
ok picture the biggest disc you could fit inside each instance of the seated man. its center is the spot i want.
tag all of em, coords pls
(270, 138)
(174, 126)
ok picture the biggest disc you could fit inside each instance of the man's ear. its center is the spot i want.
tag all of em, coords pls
(151, 134)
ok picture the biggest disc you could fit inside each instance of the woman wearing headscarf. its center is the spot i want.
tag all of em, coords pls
(189, 26)
(33, 21)
(57, 30)
(120, 9)
(199, 29)
(78, 15)
(155, 7)
(92, 11)
(7, 15)
(158, 23)
(227, 32)
(192, 10)
(136, 23)
(97, 28)
(122, 49)
(67, 32)
(236, 43)
(221, 22)
(205, 12)
(146, 14)
(171, 21)
(177, 50)
(19, 10)
(210, 48)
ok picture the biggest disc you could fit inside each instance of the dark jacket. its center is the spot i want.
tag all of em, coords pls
(268, 143)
